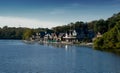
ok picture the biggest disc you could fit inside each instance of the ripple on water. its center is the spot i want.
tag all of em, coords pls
(17, 57)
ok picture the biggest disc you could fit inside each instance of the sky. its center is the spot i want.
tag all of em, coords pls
(51, 13)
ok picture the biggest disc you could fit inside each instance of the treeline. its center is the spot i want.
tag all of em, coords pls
(90, 28)
(11, 33)
(19, 33)
(101, 25)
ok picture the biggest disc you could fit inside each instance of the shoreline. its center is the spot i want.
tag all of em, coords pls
(59, 43)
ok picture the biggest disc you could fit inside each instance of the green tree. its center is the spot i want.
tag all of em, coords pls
(27, 34)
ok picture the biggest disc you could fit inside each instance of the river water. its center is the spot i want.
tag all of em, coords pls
(18, 57)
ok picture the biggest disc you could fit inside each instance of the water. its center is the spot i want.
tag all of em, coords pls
(18, 57)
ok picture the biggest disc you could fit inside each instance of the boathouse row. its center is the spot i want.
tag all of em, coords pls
(69, 36)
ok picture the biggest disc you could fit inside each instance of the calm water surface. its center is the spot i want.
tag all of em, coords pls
(18, 57)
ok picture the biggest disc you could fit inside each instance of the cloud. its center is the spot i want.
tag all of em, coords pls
(25, 22)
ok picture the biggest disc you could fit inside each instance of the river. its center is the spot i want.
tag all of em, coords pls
(18, 57)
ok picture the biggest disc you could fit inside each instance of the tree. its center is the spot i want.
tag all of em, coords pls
(100, 26)
(27, 34)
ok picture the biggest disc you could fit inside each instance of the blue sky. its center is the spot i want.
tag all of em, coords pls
(50, 13)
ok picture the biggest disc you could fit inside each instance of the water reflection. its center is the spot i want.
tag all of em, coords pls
(57, 45)
(66, 47)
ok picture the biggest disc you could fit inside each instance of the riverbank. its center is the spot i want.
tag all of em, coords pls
(59, 43)
(63, 44)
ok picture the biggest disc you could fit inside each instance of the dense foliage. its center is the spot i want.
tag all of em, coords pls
(11, 33)
(110, 40)
(19, 33)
